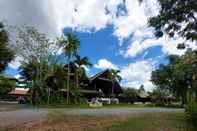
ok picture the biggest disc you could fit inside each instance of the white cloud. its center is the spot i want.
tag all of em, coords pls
(51, 16)
(134, 27)
(17, 76)
(16, 63)
(105, 64)
(138, 73)
(136, 19)
(168, 45)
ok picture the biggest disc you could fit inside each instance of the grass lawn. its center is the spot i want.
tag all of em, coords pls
(57, 121)
(153, 122)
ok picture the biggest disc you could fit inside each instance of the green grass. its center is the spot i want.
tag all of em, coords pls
(153, 122)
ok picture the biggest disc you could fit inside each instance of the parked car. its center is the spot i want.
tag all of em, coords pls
(114, 101)
(107, 100)
(21, 100)
(95, 103)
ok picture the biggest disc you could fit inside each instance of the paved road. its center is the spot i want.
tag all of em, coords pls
(118, 111)
(30, 115)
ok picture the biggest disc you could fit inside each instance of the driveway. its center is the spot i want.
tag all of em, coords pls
(118, 111)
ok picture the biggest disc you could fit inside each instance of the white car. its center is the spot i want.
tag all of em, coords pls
(107, 100)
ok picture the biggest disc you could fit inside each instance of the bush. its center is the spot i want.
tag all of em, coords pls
(191, 113)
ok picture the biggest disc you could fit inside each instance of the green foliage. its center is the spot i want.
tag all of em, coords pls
(177, 17)
(129, 95)
(191, 113)
(158, 96)
(41, 67)
(80, 71)
(82, 61)
(47, 80)
(6, 54)
(32, 45)
(39, 64)
(171, 17)
(179, 76)
(70, 43)
(130, 92)
(159, 93)
(172, 77)
(115, 75)
(6, 85)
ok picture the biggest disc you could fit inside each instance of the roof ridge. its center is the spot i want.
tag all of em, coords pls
(98, 74)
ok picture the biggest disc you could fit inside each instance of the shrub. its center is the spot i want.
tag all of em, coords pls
(191, 113)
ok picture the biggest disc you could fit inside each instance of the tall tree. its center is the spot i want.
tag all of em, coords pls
(71, 45)
(172, 78)
(81, 62)
(55, 82)
(38, 55)
(115, 77)
(176, 17)
(31, 44)
(189, 61)
(6, 54)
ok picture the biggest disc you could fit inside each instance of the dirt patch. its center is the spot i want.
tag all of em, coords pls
(11, 120)
(9, 106)
(57, 121)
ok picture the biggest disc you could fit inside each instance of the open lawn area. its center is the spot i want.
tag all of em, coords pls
(152, 122)
(58, 120)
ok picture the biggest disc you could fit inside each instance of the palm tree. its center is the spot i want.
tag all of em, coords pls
(71, 45)
(80, 62)
(115, 77)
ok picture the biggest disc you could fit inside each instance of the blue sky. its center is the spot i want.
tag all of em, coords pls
(104, 45)
(113, 33)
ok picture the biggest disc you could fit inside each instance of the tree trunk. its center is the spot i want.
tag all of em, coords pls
(195, 96)
(49, 91)
(112, 89)
(68, 82)
(184, 99)
(77, 79)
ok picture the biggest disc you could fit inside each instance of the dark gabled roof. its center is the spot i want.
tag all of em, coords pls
(98, 75)
(104, 83)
